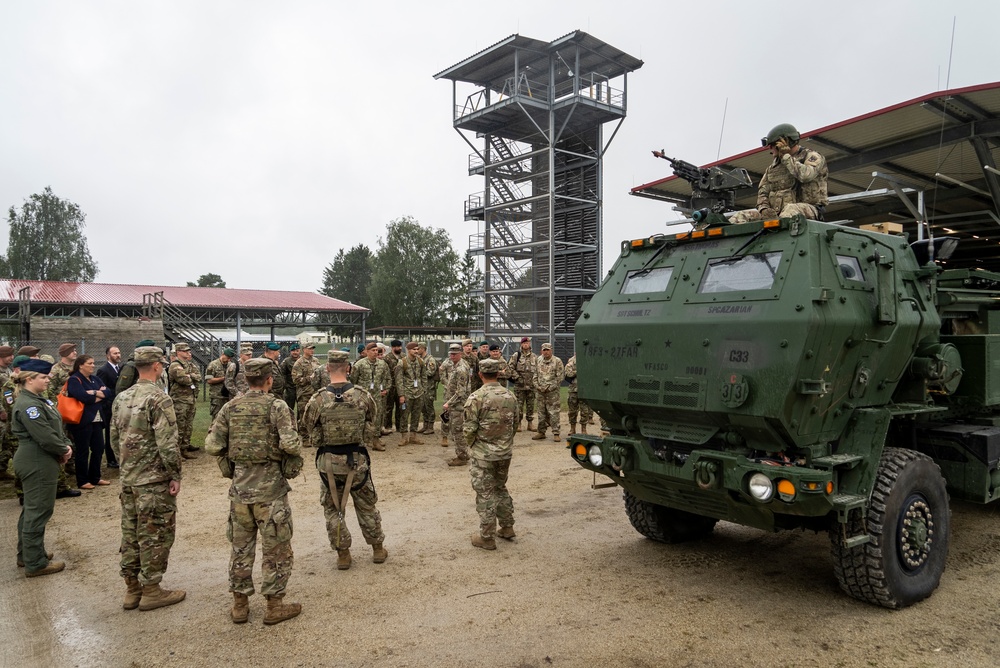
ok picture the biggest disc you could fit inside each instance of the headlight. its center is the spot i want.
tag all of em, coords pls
(761, 487)
(594, 455)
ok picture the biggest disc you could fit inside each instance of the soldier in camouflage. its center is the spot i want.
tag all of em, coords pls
(272, 351)
(286, 374)
(7, 441)
(456, 391)
(184, 378)
(255, 439)
(236, 381)
(215, 376)
(128, 376)
(302, 376)
(444, 372)
(411, 379)
(522, 374)
(372, 374)
(573, 403)
(144, 438)
(496, 354)
(491, 414)
(339, 420)
(430, 393)
(62, 370)
(548, 377)
(393, 409)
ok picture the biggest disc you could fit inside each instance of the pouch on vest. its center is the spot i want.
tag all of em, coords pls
(251, 434)
(343, 422)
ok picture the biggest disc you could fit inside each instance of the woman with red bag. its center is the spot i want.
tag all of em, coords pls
(88, 436)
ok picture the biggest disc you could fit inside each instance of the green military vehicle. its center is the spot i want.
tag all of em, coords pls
(790, 373)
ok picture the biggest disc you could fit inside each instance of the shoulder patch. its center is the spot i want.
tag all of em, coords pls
(32, 412)
(49, 402)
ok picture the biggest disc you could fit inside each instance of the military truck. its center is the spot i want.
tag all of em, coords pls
(796, 374)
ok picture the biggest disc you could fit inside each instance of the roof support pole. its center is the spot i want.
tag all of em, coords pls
(985, 156)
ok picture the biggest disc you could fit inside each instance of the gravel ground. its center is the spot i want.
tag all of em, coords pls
(578, 586)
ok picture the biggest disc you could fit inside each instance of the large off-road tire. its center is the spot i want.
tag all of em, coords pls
(909, 522)
(666, 525)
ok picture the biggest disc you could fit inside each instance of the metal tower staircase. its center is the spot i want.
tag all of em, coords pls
(180, 327)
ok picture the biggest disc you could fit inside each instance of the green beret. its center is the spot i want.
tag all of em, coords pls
(19, 360)
(271, 345)
(361, 347)
(294, 346)
(145, 343)
(229, 352)
(489, 366)
(148, 355)
(336, 356)
(258, 367)
(484, 343)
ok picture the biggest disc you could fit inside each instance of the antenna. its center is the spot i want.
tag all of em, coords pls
(718, 152)
(947, 86)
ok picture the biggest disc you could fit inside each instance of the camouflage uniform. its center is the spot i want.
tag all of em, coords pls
(548, 377)
(456, 391)
(373, 377)
(340, 428)
(287, 382)
(411, 380)
(57, 378)
(302, 375)
(491, 416)
(573, 403)
(521, 367)
(184, 378)
(255, 435)
(792, 184)
(144, 439)
(444, 371)
(236, 380)
(215, 394)
(278, 383)
(8, 444)
(392, 406)
(430, 392)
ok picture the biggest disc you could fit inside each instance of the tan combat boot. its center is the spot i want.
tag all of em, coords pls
(458, 461)
(406, 439)
(485, 543)
(133, 593)
(154, 597)
(537, 437)
(377, 445)
(379, 553)
(279, 612)
(583, 428)
(241, 608)
(343, 559)
(555, 437)
(572, 427)
(414, 440)
(48, 555)
(506, 532)
(444, 440)
(53, 567)
(531, 425)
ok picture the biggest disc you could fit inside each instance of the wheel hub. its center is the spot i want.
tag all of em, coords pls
(916, 533)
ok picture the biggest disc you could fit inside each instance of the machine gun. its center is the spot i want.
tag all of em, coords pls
(712, 188)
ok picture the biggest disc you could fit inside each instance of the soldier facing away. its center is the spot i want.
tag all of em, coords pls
(144, 438)
(491, 413)
(255, 439)
(339, 421)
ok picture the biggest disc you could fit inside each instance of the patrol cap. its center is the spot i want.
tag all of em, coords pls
(272, 345)
(66, 349)
(466, 342)
(336, 357)
(148, 355)
(229, 352)
(38, 366)
(546, 346)
(495, 346)
(294, 346)
(258, 367)
(412, 345)
(421, 344)
(454, 348)
(181, 347)
(47, 358)
(489, 366)
(395, 343)
(246, 348)
(309, 345)
(19, 360)
(28, 351)
(6, 351)
(144, 343)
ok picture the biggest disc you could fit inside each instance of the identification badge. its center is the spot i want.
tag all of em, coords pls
(415, 383)
(371, 385)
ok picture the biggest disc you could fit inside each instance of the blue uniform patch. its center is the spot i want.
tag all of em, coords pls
(32, 412)
(9, 396)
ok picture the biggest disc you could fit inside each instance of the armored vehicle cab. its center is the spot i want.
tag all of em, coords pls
(789, 374)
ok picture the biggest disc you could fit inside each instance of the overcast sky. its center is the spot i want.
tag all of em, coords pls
(255, 139)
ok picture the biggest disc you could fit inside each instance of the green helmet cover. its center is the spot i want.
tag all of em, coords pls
(786, 130)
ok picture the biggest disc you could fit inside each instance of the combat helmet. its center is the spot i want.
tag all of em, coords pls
(786, 130)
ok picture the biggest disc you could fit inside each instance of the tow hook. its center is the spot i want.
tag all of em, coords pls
(705, 474)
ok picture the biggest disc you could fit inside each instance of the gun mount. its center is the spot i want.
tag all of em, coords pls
(712, 188)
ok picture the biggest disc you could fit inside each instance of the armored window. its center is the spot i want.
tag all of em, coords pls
(646, 280)
(850, 268)
(740, 273)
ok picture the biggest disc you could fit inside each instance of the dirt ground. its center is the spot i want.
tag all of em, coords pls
(578, 586)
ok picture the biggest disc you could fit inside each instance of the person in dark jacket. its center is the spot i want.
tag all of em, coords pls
(42, 449)
(108, 373)
(88, 436)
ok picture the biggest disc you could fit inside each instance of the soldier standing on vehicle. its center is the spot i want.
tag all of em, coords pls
(372, 374)
(548, 378)
(215, 376)
(456, 391)
(573, 403)
(522, 374)
(258, 448)
(339, 420)
(144, 438)
(794, 182)
(491, 413)
(184, 378)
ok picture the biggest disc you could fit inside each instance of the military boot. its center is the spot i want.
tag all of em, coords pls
(458, 461)
(572, 427)
(53, 567)
(485, 543)
(241, 608)
(48, 555)
(406, 439)
(154, 597)
(378, 445)
(133, 593)
(583, 428)
(379, 553)
(531, 425)
(279, 612)
(343, 559)
(444, 440)
(428, 430)
(538, 437)
(555, 437)
(414, 440)
(506, 532)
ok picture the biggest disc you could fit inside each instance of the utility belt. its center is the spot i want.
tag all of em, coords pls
(329, 470)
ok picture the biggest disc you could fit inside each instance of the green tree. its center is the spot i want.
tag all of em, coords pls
(46, 241)
(466, 298)
(347, 278)
(414, 275)
(208, 281)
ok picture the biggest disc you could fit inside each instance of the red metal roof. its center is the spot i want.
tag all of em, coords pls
(57, 292)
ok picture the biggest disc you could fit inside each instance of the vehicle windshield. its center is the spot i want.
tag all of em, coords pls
(738, 274)
(646, 280)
